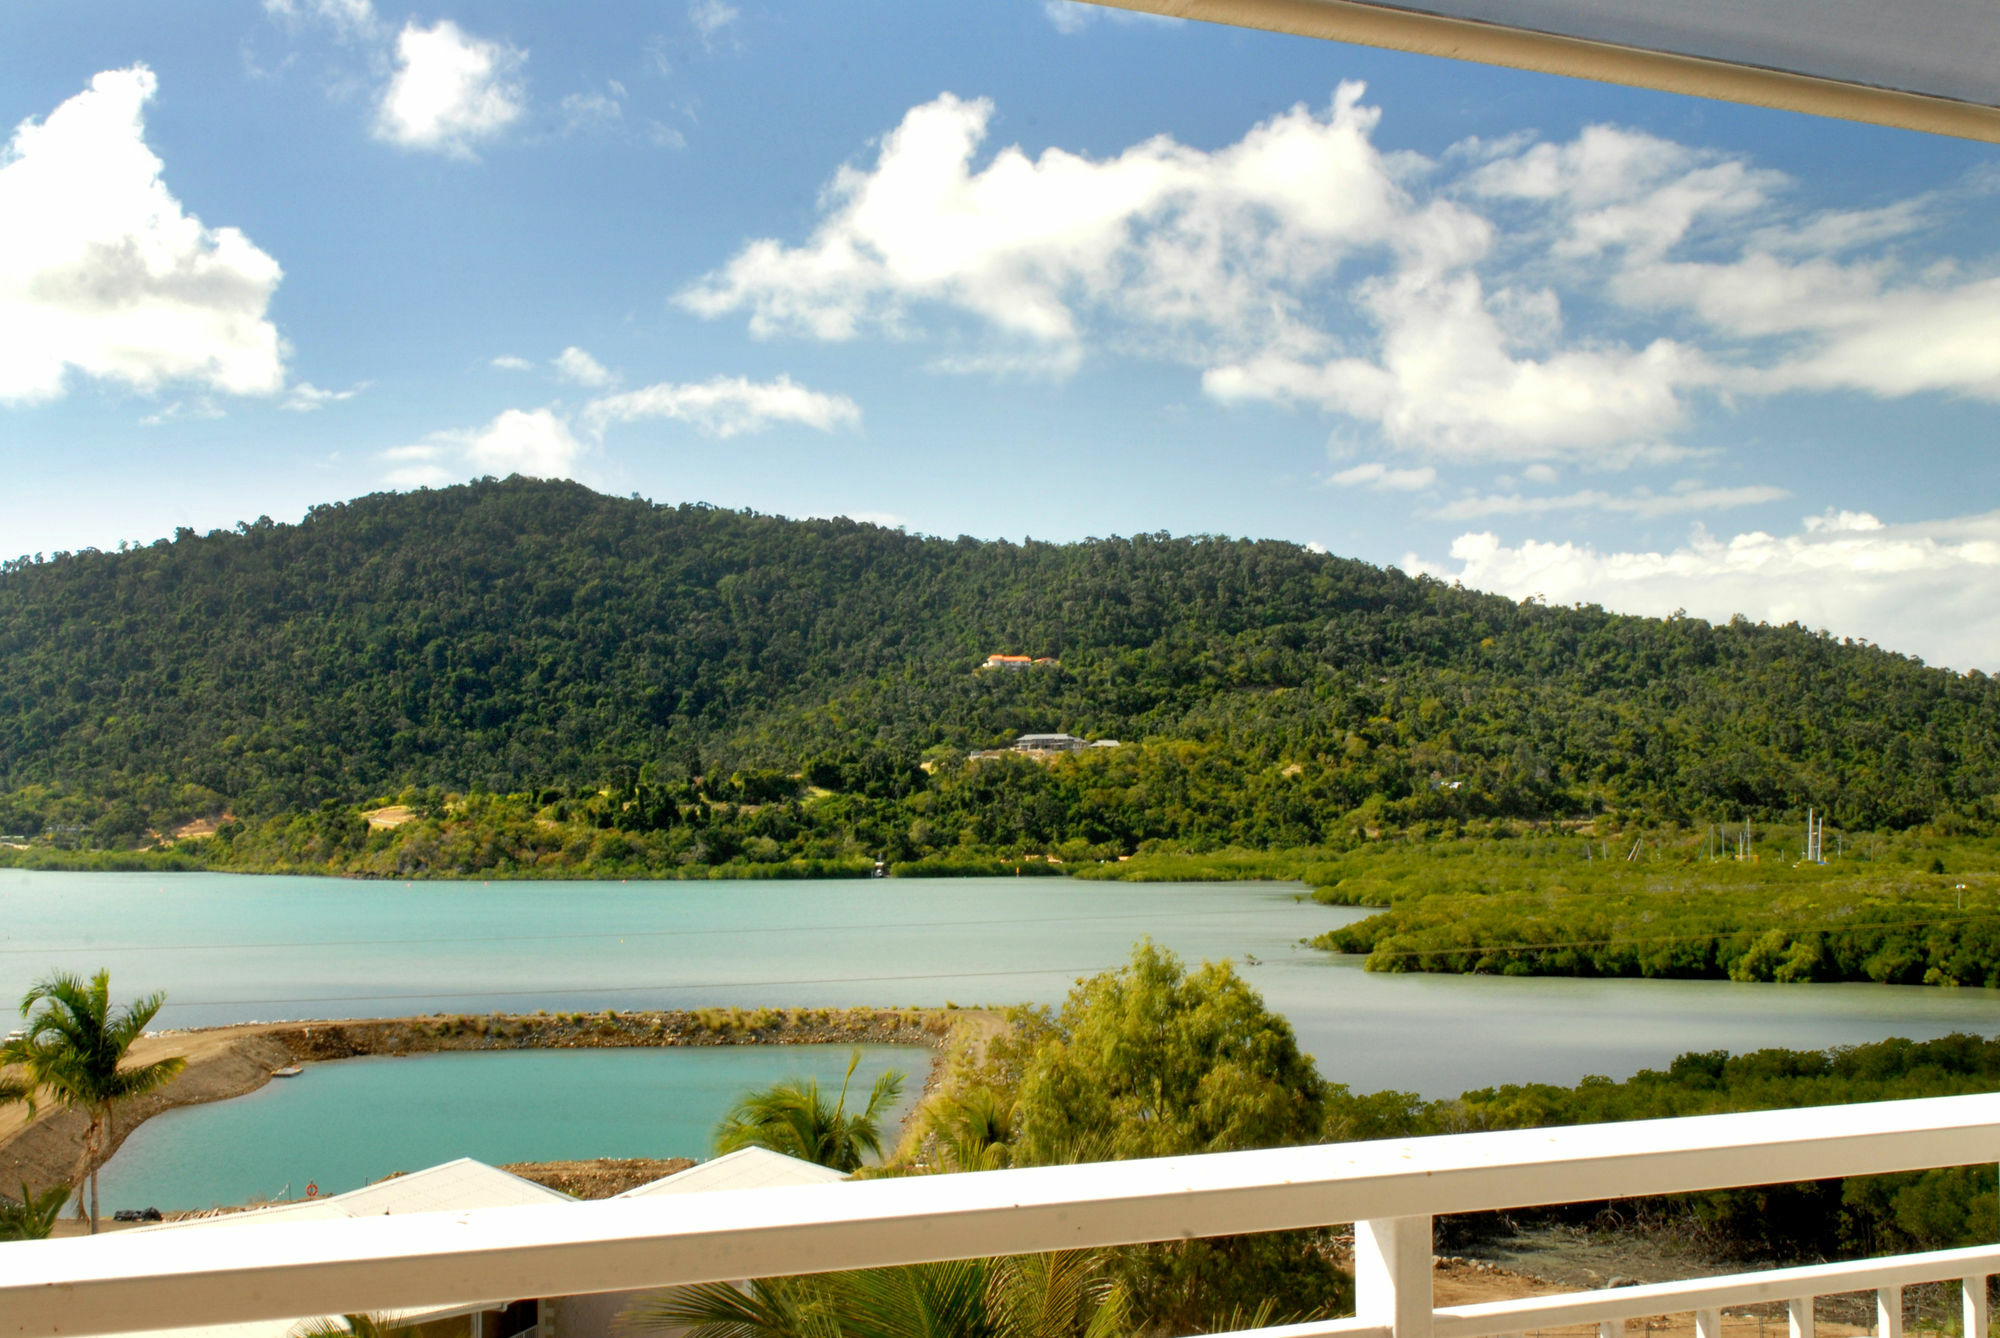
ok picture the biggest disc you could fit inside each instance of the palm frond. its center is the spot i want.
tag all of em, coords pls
(767, 1308)
(794, 1118)
(354, 1326)
(146, 1077)
(34, 1217)
(941, 1300)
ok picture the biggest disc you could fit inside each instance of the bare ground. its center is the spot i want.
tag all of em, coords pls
(600, 1177)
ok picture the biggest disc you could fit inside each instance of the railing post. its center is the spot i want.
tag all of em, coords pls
(1973, 1293)
(1392, 1274)
(1708, 1324)
(1800, 1312)
(1889, 1312)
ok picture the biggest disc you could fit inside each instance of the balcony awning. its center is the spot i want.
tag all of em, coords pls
(1931, 65)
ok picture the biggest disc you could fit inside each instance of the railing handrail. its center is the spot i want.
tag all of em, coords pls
(236, 1272)
(1527, 1313)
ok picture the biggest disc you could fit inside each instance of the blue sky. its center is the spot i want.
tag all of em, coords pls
(1000, 268)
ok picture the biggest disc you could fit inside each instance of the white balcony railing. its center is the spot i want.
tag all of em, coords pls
(1390, 1190)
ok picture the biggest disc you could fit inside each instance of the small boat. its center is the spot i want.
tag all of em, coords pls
(288, 1071)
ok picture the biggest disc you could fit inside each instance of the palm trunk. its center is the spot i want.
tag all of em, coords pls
(96, 1131)
(77, 1180)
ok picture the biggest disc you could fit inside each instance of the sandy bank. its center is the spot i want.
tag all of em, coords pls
(224, 1062)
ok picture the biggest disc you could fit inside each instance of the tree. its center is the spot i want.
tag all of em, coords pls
(34, 1217)
(1156, 1061)
(74, 1050)
(971, 1129)
(1060, 1295)
(793, 1117)
(1160, 1062)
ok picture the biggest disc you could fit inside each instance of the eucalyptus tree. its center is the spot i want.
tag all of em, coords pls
(73, 1053)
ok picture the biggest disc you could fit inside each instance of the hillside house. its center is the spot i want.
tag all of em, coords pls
(1049, 743)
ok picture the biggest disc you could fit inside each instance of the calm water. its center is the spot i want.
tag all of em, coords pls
(230, 949)
(344, 1124)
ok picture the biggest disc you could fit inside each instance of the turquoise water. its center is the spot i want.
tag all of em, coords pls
(342, 1125)
(231, 949)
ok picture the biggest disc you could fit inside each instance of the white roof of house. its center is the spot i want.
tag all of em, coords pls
(455, 1185)
(746, 1168)
(466, 1183)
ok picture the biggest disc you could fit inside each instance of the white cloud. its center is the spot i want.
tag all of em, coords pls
(576, 366)
(1070, 18)
(525, 441)
(349, 19)
(509, 362)
(710, 17)
(1822, 317)
(1638, 502)
(584, 112)
(417, 466)
(305, 397)
(1175, 249)
(519, 441)
(198, 410)
(726, 406)
(1382, 478)
(1479, 306)
(450, 90)
(1223, 259)
(1923, 589)
(103, 271)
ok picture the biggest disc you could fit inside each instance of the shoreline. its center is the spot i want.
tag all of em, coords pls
(237, 1059)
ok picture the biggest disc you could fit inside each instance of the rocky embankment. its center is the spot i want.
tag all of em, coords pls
(615, 1029)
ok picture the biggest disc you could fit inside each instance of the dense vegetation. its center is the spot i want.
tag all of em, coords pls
(1895, 910)
(535, 638)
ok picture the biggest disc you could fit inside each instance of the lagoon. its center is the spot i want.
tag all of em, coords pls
(342, 1125)
(233, 948)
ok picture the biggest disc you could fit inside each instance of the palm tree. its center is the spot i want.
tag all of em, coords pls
(972, 1129)
(353, 1326)
(73, 1049)
(1061, 1295)
(34, 1217)
(793, 1118)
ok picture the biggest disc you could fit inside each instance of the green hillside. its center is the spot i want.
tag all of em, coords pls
(525, 636)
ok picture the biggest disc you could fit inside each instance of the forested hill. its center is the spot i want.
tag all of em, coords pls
(520, 634)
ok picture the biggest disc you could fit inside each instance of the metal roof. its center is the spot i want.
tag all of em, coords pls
(746, 1168)
(1931, 65)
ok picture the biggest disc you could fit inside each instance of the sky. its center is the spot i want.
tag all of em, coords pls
(1022, 268)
